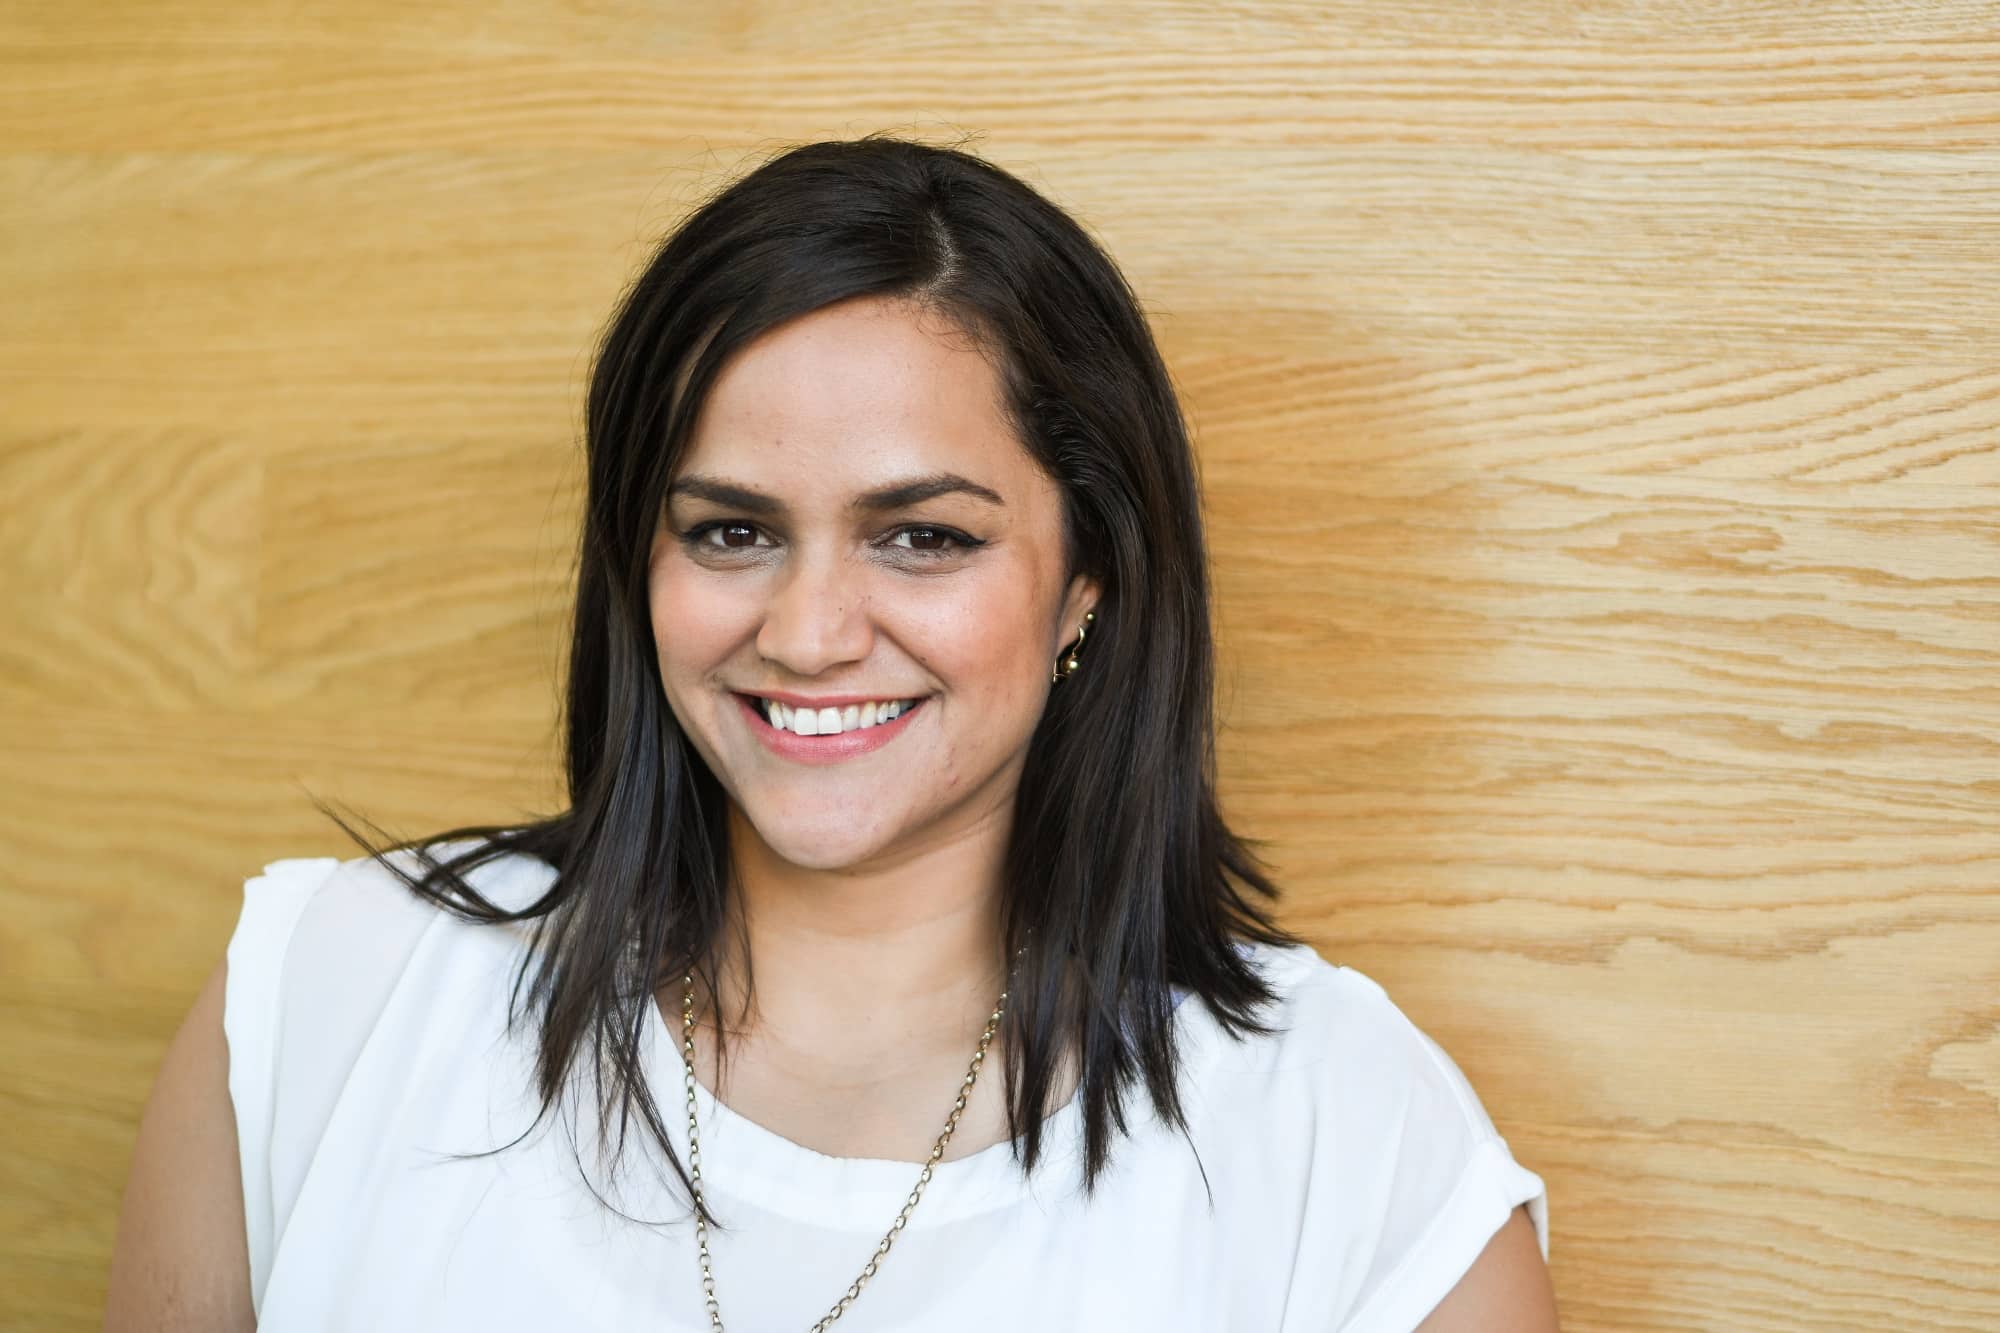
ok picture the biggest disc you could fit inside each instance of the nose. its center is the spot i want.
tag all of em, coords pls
(817, 616)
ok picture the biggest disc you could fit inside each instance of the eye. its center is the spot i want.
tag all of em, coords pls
(728, 527)
(931, 540)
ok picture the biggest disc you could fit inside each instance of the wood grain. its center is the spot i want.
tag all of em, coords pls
(1598, 408)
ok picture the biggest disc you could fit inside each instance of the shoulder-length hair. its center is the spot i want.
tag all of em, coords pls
(1122, 880)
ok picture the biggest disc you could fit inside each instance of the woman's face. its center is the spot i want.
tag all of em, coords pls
(787, 567)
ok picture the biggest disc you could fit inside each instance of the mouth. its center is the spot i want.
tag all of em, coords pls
(829, 723)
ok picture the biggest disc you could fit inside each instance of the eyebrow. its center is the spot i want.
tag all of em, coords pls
(895, 495)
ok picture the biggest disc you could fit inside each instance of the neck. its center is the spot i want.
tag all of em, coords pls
(892, 964)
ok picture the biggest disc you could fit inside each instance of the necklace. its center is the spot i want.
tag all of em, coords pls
(923, 1177)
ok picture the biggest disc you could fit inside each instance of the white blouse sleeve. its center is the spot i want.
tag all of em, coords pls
(319, 948)
(1438, 1182)
(251, 1019)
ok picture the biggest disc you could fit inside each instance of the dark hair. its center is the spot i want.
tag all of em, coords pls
(1122, 879)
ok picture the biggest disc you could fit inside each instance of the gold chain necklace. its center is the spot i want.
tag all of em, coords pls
(923, 1177)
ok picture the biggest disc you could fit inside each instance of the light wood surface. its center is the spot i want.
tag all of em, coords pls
(1597, 409)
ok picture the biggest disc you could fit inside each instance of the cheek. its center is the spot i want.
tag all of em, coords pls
(694, 622)
(986, 651)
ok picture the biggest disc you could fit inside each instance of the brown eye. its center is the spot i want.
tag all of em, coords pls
(736, 536)
(931, 541)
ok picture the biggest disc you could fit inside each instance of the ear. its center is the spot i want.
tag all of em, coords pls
(1082, 597)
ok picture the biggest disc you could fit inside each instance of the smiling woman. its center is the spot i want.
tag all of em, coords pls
(892, 844)
(844, 432)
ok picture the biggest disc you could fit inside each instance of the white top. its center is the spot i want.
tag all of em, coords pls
(1355, 1174)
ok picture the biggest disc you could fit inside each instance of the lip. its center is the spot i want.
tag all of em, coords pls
(823, 749)
(830, 701)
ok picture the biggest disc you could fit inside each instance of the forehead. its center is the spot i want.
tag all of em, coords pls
(854, 391)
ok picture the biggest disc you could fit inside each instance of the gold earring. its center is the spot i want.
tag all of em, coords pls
(1063, 671)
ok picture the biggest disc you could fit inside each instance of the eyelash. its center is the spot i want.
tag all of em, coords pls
(692, 538)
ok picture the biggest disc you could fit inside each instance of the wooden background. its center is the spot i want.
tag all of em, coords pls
(1596, 401)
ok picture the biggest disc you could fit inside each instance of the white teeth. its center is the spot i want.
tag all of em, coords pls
(832, 721)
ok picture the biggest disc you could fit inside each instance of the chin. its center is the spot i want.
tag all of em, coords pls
(832, 848)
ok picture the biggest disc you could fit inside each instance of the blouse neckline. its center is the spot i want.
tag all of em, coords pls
(743, 1159)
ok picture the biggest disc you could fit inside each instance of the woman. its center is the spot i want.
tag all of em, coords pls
(892, 849)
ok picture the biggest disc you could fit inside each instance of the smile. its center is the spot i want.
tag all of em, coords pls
(861, 728)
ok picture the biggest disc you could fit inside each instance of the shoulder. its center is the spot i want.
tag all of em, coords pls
(284, 889)
(1393, 1171)
(322, 943)
(1333, 1017)
(299, 909)
(329, 957)
(1341, 1027)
